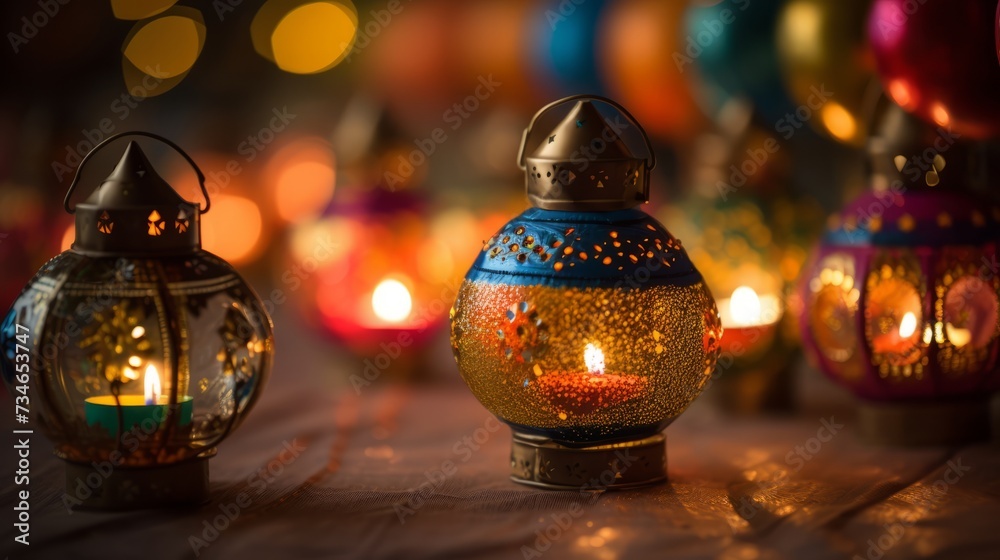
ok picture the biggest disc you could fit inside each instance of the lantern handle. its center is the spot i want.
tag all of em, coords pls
(113, 137)
(650, 160)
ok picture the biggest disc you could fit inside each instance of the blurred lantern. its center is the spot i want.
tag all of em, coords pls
(491, 42)
(641, 38)
(413, 65)
(140, 349)
(936, 60)
(370, 271)
(737, 253)
(159, 53)
(582, 323)
(24, 239)
(238, 229)
(564, 48)
(300, 177)
(305, 36)
(731, 46)
(822, 43)
(899, 307)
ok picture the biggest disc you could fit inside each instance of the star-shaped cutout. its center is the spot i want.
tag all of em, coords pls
(579, 123)
(552, 138)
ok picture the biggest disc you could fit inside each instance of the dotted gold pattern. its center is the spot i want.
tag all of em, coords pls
(660, 345)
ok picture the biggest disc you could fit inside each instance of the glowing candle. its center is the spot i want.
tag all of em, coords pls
(391, 301)
(899, 340)
(748, 320)
(586, 392)
(148, 410)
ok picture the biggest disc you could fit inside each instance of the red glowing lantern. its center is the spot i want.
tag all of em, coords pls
(370, 271)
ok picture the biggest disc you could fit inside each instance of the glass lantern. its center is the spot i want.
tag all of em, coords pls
(144, 350)
(901, 297)
(582, 323)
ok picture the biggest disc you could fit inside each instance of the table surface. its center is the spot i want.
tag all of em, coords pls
(373, 480)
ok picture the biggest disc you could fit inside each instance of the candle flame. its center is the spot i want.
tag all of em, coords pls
(391, 301)
(958, 336)
(744, 307)
(907, 325)
(594, 358)
(152, 384)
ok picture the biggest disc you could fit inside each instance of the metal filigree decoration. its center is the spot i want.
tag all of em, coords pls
(104, 223)
(524, 335)
(116, 342)
(183, 222)
(156, 223)
(240, 345)
(895, 327)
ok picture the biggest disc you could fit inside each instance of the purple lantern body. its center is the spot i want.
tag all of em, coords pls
(930, 255)
(901, 296)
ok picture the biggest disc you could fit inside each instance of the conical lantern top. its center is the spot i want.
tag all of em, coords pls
(583, 163)
(907, 153)
(134, 212)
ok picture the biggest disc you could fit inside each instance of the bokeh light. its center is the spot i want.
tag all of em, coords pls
(301, 177)
(232, 229)
(305, 37)
(139, 9)
(157, 54)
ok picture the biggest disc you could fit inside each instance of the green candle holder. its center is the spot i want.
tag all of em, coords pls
(103, 411)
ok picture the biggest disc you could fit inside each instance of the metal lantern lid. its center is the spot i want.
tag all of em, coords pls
(134, 212)
(907, 153)
(583, 163)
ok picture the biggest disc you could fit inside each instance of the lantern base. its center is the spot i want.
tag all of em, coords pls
(92, 486)
(943, 422)
(542, 462)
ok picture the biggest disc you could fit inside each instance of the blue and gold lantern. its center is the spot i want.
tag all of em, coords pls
(582, 323)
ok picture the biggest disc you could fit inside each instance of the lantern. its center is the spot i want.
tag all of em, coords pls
(740, 259)
(141, 351)
(370, 272)
(582, 323)
(901, 296)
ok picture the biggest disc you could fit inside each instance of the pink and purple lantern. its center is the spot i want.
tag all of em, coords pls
(901, 303)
